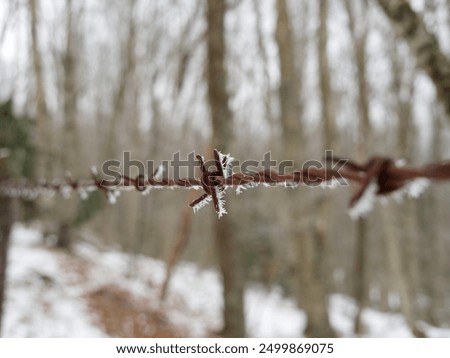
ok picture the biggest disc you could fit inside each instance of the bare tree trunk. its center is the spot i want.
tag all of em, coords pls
(423, 44)
(117, 125)
(318, 321)
(147, 225)
(358, 34)
(227, 244)
(6, 221)
(265, 63)
(406, 219)
(289, 92)
(70, 141)
(128, 68)
(324, 79)
(44, 136)
(5, 229)
(395, 261)
(309, 245)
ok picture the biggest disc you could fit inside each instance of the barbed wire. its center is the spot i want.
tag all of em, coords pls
(379, 176)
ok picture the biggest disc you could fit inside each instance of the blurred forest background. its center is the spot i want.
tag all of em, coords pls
(83, 81)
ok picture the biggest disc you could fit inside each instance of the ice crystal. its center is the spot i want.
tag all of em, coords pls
(416, 187)
(83, 194)
(365, 203)
(66, 190)
(159, 172)
(226, 161)
(220, 194)
(112, 196)
(94, 171)
(206, 200)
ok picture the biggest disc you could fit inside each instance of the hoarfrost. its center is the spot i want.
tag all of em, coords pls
(365, 203)
(202, 203)
(159, 172)
(112, 196)
(416, 187)
(290, 184)
(227, 164)
(66, 190)
(239, 189)
(412, 189)
(220, 193)
(83, 194)
(333, 183)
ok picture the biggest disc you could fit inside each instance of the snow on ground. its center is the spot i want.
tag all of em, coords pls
(47, 290)
(40, 301)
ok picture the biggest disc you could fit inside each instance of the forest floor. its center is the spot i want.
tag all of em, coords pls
(107, 293)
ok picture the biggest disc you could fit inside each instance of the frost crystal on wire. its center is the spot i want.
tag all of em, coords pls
(112, 196)
(66, 191)
(94, 171)
(220, 195)
(416, 187)
(226, 161)
(205, 200)
(240, 189)
(83, 194)
(159, 172)
(365, 203)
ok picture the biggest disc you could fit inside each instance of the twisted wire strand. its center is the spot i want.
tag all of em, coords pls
(381, 172)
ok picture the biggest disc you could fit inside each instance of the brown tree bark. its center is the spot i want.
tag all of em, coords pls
(423, 44)
(324, 79)
(126, 74)
(227, 245)
(5, 229)
(6, 221)
(44, 140)
(308, 244)
(406, 218)
(358, 33)
(70, 141)
(318, 321)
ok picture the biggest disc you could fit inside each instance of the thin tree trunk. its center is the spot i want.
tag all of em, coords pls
(6, 221)
(70, 141)
(359, 38)
(5, 229)
(431, 243)
(423, 44)
(324, 79)
(406, 218)
(44, 138)
(309, 245)
(395, 260)
(128, 68)
(318, 325)
(227, 244)
(265, 63)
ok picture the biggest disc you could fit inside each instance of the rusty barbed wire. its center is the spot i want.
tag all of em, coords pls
(379, 176)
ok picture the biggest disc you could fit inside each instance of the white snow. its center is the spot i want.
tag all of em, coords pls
(46, 296)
